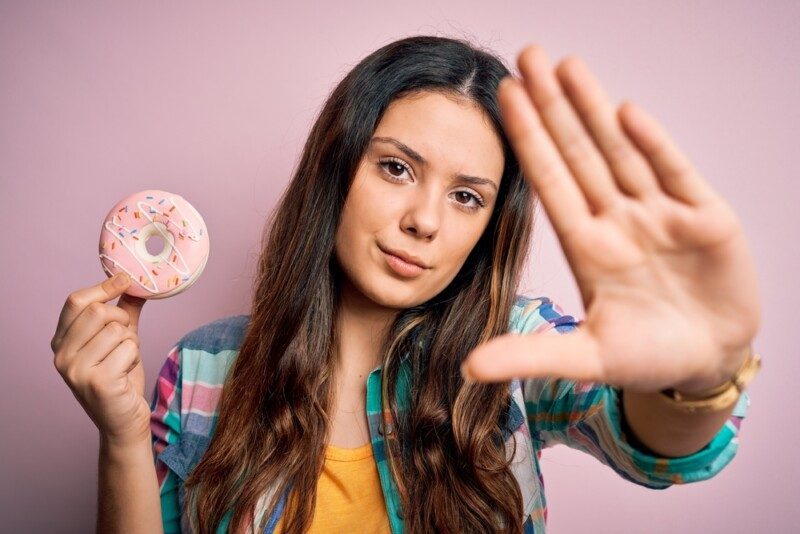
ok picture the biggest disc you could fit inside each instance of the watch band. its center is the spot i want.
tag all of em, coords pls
(720, 397)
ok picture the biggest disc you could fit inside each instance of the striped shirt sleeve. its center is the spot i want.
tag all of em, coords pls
(586, 416)
(165, 428)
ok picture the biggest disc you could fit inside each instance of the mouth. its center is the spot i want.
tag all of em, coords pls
(401, 264)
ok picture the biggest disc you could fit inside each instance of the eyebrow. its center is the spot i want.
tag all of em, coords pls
(416, 156)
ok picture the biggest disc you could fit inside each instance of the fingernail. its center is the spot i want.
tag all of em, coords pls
(121, 279)
(505, 80)
(467, 377)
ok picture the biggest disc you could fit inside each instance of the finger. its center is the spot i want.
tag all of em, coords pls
(630, 168)
(561, 197)
(79, 300)
(675, 172)
(573, 142)
(573, 356)
(89, 324)
(101, 345)
(121, 360)
(132, 305)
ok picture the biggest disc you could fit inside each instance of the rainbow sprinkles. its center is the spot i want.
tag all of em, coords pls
(164, 217)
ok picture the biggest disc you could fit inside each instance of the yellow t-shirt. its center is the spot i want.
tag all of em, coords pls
(349, 496)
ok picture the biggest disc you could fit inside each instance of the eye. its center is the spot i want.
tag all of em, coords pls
(472, 197)
(390, 166)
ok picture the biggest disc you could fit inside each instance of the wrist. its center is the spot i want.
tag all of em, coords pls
(122, 450)
(702, 388)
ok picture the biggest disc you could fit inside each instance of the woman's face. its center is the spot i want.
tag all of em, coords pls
(425, 188)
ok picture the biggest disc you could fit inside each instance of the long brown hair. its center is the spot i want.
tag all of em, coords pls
(449, 461)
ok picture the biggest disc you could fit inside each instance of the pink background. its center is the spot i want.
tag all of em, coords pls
(213, 103)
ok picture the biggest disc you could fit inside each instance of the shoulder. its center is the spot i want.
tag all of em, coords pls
(538, 314)
(207, 352)
(222, 334)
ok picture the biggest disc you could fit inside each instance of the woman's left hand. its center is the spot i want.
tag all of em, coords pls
(661, 261)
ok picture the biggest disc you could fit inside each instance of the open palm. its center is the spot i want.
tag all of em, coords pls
(661, 261)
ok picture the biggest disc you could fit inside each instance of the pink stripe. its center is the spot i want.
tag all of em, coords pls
(165, 392)
(197, 396)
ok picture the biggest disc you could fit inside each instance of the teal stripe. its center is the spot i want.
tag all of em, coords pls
(170, 510)
(201, 366)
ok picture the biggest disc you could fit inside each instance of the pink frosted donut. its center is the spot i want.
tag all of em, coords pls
(133, 221)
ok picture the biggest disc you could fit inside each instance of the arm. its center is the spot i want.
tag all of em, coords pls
(654, 426)
(128, 494)
(587, 416)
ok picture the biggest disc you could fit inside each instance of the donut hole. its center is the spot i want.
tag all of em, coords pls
(152, 246)
(155, 245)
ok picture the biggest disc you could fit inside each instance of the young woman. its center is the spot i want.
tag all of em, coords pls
(362, 393)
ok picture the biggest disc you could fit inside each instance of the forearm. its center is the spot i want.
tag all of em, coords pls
(128, 496)
(653, 423)
(666, 431)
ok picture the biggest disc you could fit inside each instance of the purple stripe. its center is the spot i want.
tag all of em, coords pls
(169, 371)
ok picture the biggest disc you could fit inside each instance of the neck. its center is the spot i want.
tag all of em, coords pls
(361, 327)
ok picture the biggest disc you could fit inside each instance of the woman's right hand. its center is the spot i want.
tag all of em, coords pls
(96, 351)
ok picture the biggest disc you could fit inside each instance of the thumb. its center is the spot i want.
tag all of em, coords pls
(573, 355)
(132, 305)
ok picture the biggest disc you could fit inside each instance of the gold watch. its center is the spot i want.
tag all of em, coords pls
(720, 397)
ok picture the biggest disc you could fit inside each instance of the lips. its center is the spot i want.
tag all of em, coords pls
(407, 267)
(403, 256)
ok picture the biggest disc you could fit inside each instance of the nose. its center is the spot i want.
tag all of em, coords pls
(423, 215)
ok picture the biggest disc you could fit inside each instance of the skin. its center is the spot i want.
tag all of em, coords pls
(425, 213)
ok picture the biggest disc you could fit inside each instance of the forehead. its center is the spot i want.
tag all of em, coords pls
(453, 134)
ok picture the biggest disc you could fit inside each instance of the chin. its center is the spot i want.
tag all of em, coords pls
(391, 293)
(389, 297)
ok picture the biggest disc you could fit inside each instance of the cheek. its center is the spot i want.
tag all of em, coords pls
(361, 220)
(358, 216)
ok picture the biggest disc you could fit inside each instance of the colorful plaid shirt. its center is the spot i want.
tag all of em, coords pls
(545, 412)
